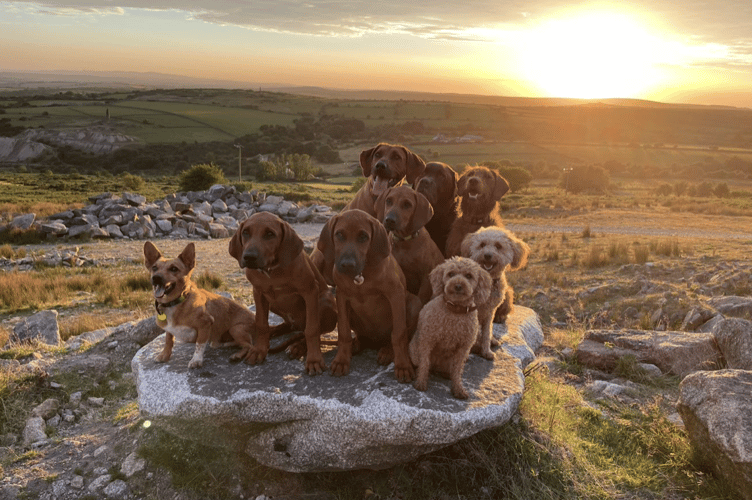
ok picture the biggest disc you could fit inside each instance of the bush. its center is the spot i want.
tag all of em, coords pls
(519, 178)
(722, 190)
(132, 182)
(581, 178)
(664, 189)
(201, 177)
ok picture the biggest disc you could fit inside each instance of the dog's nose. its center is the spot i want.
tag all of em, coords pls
(458, 288)
(157, 280)
(390, 222)
(250, 258)
(487, 256)
(473, 181)
(381, 165)
(348, 265)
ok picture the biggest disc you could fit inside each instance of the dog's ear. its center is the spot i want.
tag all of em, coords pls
(380, 204)
(415, 165)
(467, 242)
(236, 244)
(290, 244)
(366, 158)
(501, 187)
(521, 251)
(151, 254)
(436, 277)
(423, 212)
(454, 178)
(462, 184)
(188, 256)
(380, 243)
(325, 244)
(483, 291)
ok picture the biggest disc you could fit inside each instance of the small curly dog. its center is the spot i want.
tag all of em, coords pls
(495, 249)
(448, 323)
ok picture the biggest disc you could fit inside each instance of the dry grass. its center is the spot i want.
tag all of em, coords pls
(70, 326)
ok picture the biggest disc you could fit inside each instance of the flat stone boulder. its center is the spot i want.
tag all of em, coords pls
(41, 327)
(679, 353)
(289, 420)
(733, 305)
(716, 409)
(734, 339)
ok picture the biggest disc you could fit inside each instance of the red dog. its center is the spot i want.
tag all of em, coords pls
(372, 299)
(480, 189)
(385, 166)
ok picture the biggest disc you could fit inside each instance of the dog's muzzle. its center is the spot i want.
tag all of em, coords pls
(161, 288)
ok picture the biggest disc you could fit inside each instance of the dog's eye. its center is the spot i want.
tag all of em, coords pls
(406, 205)
(269, 234)
(482, 244)
(245, 234)
(340, 236)
(362, 237)
(498, 246)
(469, 276)
(154, 268)
(388, 202)
(173, 269)
(450, 274)
(377, 154)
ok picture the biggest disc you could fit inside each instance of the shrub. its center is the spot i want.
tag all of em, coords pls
(585, 178)
(201, 177)
(132, 182)
(722, 190)
(518, 177)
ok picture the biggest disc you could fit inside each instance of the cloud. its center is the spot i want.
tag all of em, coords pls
(728, 22)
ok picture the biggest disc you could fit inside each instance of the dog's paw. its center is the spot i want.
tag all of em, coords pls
(421, 385)
(315, 366)
(494, 341)
(162, 357)
(404, 374)
(255, 356)
(385, 355)
(195, 363)
(460, 393)
(297, 350)
(340, 367)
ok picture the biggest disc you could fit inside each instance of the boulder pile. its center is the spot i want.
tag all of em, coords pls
(214, 213)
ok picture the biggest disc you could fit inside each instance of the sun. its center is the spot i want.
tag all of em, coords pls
(590, 55)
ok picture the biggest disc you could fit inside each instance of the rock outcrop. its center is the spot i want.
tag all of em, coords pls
(215, 213)
(288, 420)
(716, 408)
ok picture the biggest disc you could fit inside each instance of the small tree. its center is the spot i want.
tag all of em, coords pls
(722, 190)
(585, 178)
(201, 177)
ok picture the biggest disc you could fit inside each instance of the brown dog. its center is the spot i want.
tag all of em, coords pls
(496, 250)
(192, 314)
(372, 298)
(448, 324)
(384, 165)
(480, 190)
(404, 213)
(438, 183)
(286, 282)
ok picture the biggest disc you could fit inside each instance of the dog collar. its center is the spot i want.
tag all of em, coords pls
(404, 238)
(457, 309)
(161, 316)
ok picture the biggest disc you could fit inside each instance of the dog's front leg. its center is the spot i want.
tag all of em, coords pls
(257, 354)
(403, 368)
(164, 356)
(203, 334)
(482, 344)
(341, 362)
(314, 360)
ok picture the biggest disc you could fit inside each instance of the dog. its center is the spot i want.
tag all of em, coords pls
(372, 296)
(480, 190)
(384, 166)
(495, 249)
(286, 282)
(191, 314)
(448, 325)
(438, 183)
(404, 213)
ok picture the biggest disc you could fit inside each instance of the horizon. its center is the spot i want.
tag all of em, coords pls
(670, 52)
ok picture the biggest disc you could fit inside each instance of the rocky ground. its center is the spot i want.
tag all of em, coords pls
(92, 431)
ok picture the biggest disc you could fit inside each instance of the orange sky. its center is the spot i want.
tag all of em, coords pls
(688, 51)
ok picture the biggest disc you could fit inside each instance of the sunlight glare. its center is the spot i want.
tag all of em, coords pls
(593, 55)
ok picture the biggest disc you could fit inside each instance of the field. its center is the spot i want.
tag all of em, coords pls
(592, 254)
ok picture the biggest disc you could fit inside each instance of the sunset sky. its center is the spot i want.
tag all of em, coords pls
(673, 51)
